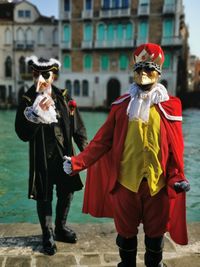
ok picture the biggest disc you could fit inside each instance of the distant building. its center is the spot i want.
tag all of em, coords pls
(197, 75)
(24, 32)
(97, 38)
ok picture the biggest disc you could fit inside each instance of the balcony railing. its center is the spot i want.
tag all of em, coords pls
(87, 14)
(86, 44)
(65, 15)
(114, 44)
(141, 40)
(24, 45)
(172, 41)
(65, 45)
(111, 13)
(143, 10)
(169, 9)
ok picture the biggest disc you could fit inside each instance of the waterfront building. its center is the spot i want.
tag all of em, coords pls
(24, 32)
(97, 38)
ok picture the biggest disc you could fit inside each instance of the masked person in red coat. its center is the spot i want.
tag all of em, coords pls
(135, 164)
(49, 120)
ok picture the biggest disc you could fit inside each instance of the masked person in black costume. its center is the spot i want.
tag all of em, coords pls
(48, 119)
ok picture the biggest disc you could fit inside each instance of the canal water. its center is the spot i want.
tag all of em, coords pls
(16, 207)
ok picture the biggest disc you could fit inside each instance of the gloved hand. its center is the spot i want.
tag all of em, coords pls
(182, 186)
(67, 165)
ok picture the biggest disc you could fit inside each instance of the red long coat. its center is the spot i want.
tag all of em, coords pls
(103, 155)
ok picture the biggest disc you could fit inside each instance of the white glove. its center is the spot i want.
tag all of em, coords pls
(67, 165)
(37, 115)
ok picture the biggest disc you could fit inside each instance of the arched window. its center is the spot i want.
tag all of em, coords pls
(85, 88)
(110, 33)
(20, 35)
(22, 65)
(87, 32)
(68, 86)
(41, 37)
(8, 37)
(67, 62)
(77, 90)
(8, 67)
(101, 32)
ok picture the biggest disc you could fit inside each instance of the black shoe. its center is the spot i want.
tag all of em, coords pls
(49, 246)
(65, 235)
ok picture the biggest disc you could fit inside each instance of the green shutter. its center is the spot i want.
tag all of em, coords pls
(168, 28)
(87, 62)
(123, 62)
(167, 62)
(104, 62)
(67, 62)
(110, 33)
(129, 31)
(100, 34)
(66, 33)
(88, 32)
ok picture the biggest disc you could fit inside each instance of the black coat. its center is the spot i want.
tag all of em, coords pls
(27, 131)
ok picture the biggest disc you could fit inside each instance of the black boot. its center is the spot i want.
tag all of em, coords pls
(62, 232)
(44, 210)
(127, 251)
(154, 250)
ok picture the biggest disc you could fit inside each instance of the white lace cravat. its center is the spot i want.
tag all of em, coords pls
(141, 101)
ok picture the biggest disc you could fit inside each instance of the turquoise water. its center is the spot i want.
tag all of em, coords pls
(16, 207)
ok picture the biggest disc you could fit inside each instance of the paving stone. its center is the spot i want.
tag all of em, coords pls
(18, 262)
(90, 259)
(55, 260)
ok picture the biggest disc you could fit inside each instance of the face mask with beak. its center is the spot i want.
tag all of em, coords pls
(43, 80)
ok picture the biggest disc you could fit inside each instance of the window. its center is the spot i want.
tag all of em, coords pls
(20, 35)
(104, 62)
(87, 32)
(125, 3)
(24, 13)
(41, 36)
(119, 32)
(66, 5)
(167, 62)
(8, 37)
(87, 62)
(68, 86)
(66, 33)
(106, 4)
(67, 62)
(115, 4)
(168, 26)
(22, 65)
(88, 4)
(129, 31)
(110, 33)
(76, 88)
(85, 88)
(123, 62)
(101, 32)
(55, 37)
(8, 67)
(143, 31)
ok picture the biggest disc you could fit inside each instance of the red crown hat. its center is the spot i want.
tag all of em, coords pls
(148, 55)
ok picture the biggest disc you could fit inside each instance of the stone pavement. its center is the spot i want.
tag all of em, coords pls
(20, 246)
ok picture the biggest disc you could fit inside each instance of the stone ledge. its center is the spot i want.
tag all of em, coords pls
(20, 246)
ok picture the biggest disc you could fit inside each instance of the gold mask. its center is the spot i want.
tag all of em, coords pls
(145, 76)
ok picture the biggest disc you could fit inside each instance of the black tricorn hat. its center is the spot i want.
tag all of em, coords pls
(42, 64)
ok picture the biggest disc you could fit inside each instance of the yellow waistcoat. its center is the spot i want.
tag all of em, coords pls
(141, 155)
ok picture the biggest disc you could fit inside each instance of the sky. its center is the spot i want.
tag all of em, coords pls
(192, 19)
